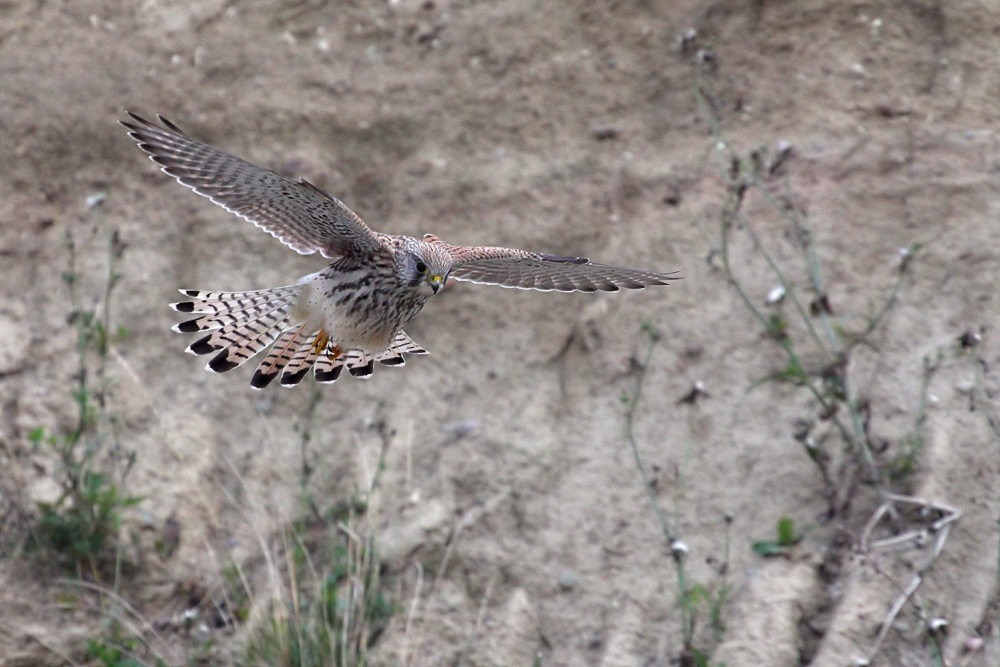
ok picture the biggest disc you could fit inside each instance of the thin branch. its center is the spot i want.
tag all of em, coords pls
(630, 431)
(677, 548)
(941, 526)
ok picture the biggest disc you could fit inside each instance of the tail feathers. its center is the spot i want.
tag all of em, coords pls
(244, 323)
(238, 333)
(279, 356)
(359, 364)
(212, 321)
(328, 370)
(390, 357)
(213, 303)
(402, 343)
(303, 359)
(234, 356)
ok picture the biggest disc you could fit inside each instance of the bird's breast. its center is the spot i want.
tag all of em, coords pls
(359, 308)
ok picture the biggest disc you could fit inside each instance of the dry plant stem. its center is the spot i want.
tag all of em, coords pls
(687, 616)
(293, 583)
(723, 145)
(815, 272)
(404, 650)
(467, 519)
(737, 184)
(813, 265)
(941, 527)
(272, 567)
(146, 626)
(907, 593)
(949, 515)
(730, 213)
(81, 342)
(815, 269)
(359, 559)
(785, 283)
(474, 630)
(386, 437)
(993, 420)
(630, 430)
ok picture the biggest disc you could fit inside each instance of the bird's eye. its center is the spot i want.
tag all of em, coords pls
(421, 267)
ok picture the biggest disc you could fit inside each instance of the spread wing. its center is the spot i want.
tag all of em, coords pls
(297, 213)
(509, 267)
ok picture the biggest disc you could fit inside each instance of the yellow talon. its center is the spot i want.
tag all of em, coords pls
(321, 341)
(334, 352)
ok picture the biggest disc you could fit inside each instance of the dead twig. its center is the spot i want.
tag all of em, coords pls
(916, 537)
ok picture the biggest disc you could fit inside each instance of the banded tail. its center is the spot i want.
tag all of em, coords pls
(242, 324)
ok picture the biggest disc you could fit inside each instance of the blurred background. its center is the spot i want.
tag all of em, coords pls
(788, 457)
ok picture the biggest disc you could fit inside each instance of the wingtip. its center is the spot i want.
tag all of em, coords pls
(134, 116)
(559, 259)
(170, 126)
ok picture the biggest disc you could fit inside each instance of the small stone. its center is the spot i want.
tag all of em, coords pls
(96, 199)
(973, 644)
(606, 132)
(776, 295)
(938, 625)
(568, 580)
(964, 386)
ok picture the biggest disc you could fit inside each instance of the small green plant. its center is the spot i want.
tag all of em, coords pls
(118, 650)
(782, 545)
(83, 524)
(699, 599)
(79, 530)
(111, 656)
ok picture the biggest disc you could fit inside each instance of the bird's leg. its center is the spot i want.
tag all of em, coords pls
(334, 352)
(322, 338)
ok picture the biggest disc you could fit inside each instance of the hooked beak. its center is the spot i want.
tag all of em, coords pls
(436, 282)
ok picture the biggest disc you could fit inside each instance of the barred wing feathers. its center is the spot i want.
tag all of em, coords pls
(509, 267)
(298, 214)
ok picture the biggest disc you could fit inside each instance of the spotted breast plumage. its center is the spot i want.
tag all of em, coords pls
(352, 313)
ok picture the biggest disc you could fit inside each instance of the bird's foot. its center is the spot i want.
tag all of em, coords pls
(322, 339)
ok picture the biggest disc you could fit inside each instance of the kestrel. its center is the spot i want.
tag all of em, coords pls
(350, 314)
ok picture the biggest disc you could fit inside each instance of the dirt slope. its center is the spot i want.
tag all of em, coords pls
(570, 128)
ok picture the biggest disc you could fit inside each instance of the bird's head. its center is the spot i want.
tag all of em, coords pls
(426, 267)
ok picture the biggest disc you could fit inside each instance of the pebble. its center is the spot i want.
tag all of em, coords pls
(568, 580)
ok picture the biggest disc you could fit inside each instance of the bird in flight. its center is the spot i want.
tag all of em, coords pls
(352, 313)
